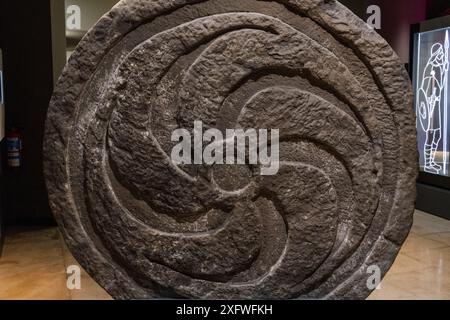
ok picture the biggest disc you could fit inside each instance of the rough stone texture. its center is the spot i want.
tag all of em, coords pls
(142, 227)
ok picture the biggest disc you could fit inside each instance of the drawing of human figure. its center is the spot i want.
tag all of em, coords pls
(432, 103)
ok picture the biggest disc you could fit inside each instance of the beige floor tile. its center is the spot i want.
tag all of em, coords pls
(90, 290)
(37, 285)
(416, 243)
(428, 224)
(404, 263)
(39, 254)
(31, 235)
(437, 258)
(32, 266)
(388, 291)
(443, 237)
(426, 284)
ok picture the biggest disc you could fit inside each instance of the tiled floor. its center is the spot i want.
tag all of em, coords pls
(35, 260)
(422, 269)
(33, 267)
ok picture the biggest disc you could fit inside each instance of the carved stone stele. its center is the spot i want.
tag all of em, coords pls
(143, 227)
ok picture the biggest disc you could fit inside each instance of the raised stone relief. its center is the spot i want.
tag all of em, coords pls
(144, 227)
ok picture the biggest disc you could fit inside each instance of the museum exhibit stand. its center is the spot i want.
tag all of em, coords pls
(430, 47)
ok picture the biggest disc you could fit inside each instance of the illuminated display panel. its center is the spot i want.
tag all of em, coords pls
(432, 102)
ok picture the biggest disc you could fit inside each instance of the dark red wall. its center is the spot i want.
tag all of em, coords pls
(397, 18)
(438, 8)
(399, 15)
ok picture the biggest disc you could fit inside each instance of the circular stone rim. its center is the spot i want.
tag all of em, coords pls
(126, 16)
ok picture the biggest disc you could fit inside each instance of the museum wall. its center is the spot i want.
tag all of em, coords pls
(26, 37)
(438, 8)
(398, 16)
(2, 178)
(396, 20)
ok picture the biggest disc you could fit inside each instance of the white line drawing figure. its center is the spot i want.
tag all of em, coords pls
(432, 102)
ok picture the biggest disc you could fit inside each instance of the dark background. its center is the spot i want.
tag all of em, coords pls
(25, 37)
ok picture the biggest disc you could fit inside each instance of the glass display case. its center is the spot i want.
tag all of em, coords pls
(432, 102)
(429, 67)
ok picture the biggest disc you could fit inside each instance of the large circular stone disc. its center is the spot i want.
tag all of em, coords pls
(339, 207)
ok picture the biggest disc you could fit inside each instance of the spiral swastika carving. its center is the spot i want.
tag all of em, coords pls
(145, 227)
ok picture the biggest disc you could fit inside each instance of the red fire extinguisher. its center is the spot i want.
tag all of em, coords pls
(14, 148)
